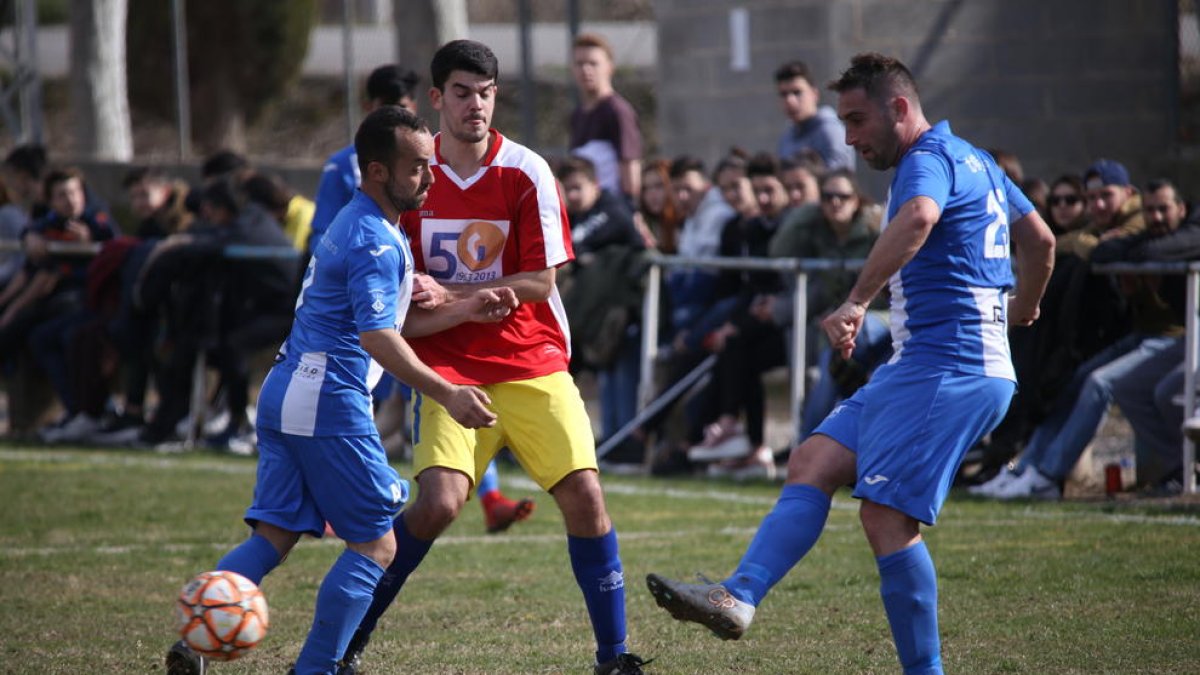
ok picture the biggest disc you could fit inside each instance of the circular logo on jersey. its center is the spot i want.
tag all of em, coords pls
(480, 244)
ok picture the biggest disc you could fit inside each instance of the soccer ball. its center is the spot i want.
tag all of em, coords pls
(221, 615)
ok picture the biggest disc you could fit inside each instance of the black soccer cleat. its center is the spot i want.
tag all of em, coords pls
(351, 661)
(624, 664)
(181, 660)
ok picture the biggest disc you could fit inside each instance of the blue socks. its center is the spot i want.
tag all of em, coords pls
(410, 551)
(784, 537)
(343, 599)
(597, 567)
(252, 558)
(490, 481)
(908, 584)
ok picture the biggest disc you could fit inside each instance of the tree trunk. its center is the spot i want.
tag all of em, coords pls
(421, 27)
(98, 87)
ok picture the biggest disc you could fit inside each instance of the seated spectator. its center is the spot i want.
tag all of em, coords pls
(658, 217)
(1139, 360)
(801, 178)
(158, 202)
(602, 293)
(293, 212)
(746, 346)
(21, 186)
(705, 212)
(49, 288)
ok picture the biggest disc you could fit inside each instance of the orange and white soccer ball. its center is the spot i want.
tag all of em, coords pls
(221, 615)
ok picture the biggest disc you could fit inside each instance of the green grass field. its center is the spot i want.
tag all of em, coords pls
(95, 544)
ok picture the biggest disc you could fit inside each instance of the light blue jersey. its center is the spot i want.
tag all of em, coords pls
(949, 304)
(359, 279)
(339, 180)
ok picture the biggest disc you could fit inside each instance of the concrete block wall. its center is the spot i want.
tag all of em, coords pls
(1058, 83)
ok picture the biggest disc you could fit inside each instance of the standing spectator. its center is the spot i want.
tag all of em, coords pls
(810, 124)
(604, 127)
(389, 84)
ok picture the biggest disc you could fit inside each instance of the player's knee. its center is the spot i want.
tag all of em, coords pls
(432, 513)
(822, 463)
(887, 529)
(382, 550)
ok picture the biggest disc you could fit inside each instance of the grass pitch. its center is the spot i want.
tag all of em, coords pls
(94, 545)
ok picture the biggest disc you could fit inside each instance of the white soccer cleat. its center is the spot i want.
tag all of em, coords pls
(708, 604)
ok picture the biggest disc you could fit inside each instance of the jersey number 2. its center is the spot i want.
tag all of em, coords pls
(995, 238)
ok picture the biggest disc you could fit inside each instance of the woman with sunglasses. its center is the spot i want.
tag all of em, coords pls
(1065, 210)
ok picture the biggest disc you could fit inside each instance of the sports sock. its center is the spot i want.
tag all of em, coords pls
(908, 584)
(597, 566)
(410, 551)
(253, 558)
(784, 537)
(490, 483)
(343, 599)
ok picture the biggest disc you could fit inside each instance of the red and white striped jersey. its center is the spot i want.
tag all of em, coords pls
(505, 219)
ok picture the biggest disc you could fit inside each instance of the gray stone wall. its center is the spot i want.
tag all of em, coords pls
(1058, 82)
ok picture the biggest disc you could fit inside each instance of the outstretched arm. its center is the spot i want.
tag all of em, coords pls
(1035, 261)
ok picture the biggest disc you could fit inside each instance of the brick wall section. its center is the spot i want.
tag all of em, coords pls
(1059, 83)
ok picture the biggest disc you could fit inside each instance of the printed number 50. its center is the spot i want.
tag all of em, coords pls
(442, 246)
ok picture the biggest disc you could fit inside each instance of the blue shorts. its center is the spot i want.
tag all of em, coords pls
(304, 482)
(910, 427)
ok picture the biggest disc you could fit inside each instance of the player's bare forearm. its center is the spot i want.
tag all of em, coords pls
(483, 305)
(529, 286)
(1034, 244)
(904, 236)
(466, 404)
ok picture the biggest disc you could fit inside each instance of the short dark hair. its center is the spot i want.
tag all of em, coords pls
(29, 159)
(685, 163)
(222, 162)
(1009, 164)
(466, 55)
(375, 140)
(137, 174)
(879, 76)
(222, 193)
(389, 84)
(1159, 183)
(791, 70)
(762, 164)
(735, 160)
(576, 165)
(806, 158)
(56, 176)
(268, 191)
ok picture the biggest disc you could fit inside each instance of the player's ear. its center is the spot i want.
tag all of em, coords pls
(377, 172)
(435, 98)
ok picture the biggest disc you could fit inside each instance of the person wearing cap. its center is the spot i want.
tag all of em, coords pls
(1114, 209)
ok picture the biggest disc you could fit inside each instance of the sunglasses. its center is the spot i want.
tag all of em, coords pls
(1063, 200)
(840, 196)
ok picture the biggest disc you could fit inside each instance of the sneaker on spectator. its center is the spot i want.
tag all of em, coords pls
(731, 446)
(76, 429)
(759, 465)
(1031, 484)
(992, 487)
(118, 430)
(1191, 428)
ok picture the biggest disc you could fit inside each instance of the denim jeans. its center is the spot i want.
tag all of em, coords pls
(1058, 442)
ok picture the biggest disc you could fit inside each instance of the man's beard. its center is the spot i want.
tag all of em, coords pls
(402, 203)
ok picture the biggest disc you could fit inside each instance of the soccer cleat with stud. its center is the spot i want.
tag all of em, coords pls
(502, 515)
(623, 664)
(708, 604)
(181, 660)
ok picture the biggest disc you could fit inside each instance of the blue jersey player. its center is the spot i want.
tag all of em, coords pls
(900, 439)
(320, 457)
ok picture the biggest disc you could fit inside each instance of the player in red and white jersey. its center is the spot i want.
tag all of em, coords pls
(494, 218)
(504, 219)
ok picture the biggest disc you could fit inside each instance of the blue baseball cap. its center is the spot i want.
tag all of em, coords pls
(1105, 172)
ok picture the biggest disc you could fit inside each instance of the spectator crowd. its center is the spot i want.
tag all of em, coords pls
(109, 316)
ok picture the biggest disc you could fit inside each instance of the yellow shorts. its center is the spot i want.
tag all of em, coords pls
(543, 421)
